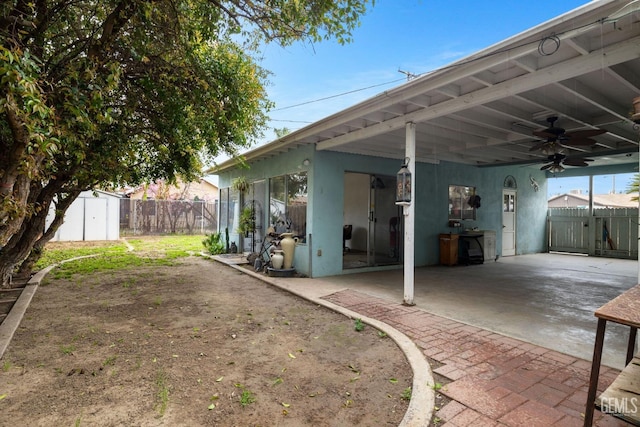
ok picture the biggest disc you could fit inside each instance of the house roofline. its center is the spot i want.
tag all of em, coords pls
(462, 66)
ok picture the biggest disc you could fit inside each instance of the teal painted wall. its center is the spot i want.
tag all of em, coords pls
(322, 254)
(280, 164)
(432, 198)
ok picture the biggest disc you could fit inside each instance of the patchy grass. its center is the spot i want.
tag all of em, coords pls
(56, 252)
(162, 395)
(172, 246)
(148, 251)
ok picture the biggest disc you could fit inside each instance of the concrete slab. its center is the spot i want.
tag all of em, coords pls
(544, 299)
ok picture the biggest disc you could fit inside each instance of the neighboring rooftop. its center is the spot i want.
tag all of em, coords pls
(572, 200)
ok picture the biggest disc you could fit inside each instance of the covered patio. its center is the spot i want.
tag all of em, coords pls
(495, 124)
(545, 299)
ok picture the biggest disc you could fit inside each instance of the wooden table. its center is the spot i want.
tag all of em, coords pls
(625, 310)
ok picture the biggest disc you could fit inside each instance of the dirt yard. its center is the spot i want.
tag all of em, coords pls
(194, 344)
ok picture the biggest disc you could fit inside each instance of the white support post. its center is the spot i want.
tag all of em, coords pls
(409, 217)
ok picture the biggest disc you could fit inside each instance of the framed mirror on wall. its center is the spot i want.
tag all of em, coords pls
(459, 207)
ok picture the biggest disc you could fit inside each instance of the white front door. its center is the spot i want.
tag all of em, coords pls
(508, 222)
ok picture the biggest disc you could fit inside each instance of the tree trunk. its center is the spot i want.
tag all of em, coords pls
(21, 242)
(62, 205)
(19, 246)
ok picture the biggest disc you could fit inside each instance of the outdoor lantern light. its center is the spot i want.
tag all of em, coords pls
(403, 184)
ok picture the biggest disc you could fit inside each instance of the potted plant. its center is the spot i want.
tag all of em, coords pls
(240, 183)
(247, 222)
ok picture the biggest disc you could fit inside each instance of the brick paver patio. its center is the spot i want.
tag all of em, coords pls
(494, 380)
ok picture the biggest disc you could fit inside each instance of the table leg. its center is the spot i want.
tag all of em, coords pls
(631, 347)
(595, 373)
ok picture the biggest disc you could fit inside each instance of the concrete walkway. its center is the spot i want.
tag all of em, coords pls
(512, 340)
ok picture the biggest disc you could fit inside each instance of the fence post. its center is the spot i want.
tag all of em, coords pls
(135, 216)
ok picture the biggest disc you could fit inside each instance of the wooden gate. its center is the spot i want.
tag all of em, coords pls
(609, 232)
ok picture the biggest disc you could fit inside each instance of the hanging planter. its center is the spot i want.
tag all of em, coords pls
(241, 184)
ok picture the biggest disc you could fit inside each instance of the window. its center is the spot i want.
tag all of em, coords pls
(509, 203)
(288, 204)
(459, 207)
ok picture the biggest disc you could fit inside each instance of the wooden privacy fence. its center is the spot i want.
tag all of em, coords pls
(609, 232)
(142, 217)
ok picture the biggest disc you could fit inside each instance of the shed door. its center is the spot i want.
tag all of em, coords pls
(95, 218)
(508, 222)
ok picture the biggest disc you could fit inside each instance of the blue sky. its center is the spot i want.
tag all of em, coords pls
(416, 36)
(602, 184)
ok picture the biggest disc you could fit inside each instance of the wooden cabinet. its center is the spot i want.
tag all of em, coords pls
(448, 249)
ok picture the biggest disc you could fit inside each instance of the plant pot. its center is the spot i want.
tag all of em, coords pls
(288, 245)
(277, 259)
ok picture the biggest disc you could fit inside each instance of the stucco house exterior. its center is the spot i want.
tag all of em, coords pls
(464, 130)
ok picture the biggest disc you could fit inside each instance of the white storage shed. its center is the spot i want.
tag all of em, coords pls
(92, 216)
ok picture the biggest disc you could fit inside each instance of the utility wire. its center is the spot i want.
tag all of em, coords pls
(552, 38)
(336, 96)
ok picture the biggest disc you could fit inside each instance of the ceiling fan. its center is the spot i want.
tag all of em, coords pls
(557, 161)
(557, 139)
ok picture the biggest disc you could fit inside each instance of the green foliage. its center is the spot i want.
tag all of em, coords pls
(280, 132)
(359, 325)
(247, 221)
(114, 256)
(111, 93)
(246, 398)
(406, 394)
(52, 256)
(214, 244)
(162, 394)
(178, 244)
(240, 184)
(67, 349)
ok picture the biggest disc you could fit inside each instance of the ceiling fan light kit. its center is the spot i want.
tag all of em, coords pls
(558, 140)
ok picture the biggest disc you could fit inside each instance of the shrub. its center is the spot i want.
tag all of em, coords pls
(213, 243)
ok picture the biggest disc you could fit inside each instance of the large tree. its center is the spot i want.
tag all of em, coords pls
(111, 92)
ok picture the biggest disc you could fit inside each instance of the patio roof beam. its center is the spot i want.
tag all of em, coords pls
(624, 51)
(467, 128)
(625, 76)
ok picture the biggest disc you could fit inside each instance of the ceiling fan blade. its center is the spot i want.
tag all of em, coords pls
(581, 162)
(545, 134)
(545, 167)
(580, 134)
